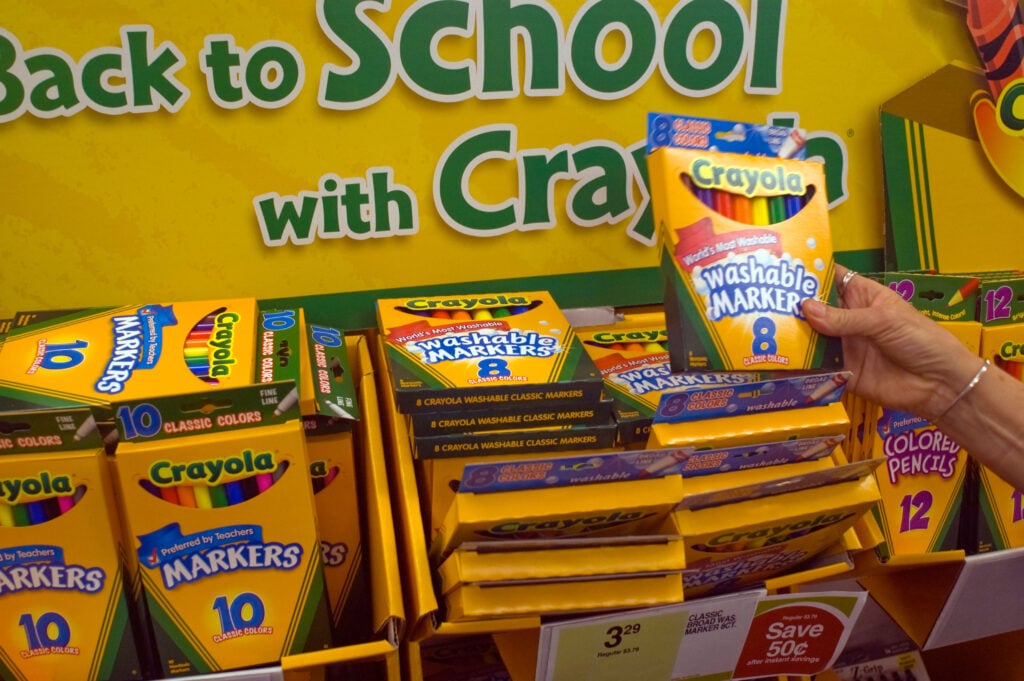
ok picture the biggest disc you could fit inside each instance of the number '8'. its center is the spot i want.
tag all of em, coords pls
(764, 337)
(493, 367)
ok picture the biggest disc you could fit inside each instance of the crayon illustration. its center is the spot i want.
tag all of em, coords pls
(997, 29)
(197, 349)
(961, 294)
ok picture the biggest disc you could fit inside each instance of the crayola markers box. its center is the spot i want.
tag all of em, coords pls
(523, 577)
(738, 263)
(829, 420)
(336, 498)
(215, 493)
(309, 354)
(744, 527)
(441, 478)
(65, 610)
(493, 350)
(101, 355)
(599, 510)
(632, 355)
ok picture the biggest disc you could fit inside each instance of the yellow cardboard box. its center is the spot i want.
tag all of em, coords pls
(64, 605)
(214, 489)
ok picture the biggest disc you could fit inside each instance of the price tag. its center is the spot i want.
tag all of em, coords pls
(716, 628)
(639, 644)
(798, 635)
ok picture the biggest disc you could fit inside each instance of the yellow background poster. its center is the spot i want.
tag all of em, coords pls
(188, 150)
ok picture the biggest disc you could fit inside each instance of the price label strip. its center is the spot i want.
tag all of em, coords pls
(695, 640)
(639, 644)
(798, 635)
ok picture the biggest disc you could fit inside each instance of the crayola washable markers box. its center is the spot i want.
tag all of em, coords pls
(738, 260)
(500, 350)
(1001, 506)
(744, 527)
(632, 355)
(65, 609)
(599, 510)
(828, 420)
(101, 355)
(215, 493)
(523, 577)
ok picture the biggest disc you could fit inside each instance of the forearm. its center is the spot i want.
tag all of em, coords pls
(989, 423)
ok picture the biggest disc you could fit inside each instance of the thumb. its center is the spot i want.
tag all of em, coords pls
(825, 319)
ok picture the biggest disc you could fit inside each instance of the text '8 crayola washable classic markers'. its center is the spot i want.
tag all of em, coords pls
(64, 608)
(230, 568)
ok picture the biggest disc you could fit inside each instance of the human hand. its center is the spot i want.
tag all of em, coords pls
(898, 357)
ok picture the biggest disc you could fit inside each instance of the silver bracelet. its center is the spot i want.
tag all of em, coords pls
(968, 388)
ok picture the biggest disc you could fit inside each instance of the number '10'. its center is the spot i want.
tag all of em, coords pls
(49, 630)
(244, 610)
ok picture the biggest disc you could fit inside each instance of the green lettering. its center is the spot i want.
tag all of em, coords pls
(153, 73)
(451, 182)
(54, 92)
(10, 85)
(612, 80)
(420, 62)
(538, 23)
(370, 76)
(104, 96)
(681, 68)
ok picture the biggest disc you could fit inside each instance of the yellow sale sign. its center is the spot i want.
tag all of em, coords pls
(187, 150)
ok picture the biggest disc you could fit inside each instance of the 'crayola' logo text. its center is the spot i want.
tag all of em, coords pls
(594, 523)
(44, 485)
(779, 533)
(636, 336)
(426, 305)
(211, 471)
(755, 283)
(749, 181)
(221, 343)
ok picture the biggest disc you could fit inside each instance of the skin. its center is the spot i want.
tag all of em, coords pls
(901, 359)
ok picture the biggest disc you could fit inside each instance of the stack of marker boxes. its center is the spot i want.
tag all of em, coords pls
(744, 229)
(208, 469)
(447, 362)
(489, 377)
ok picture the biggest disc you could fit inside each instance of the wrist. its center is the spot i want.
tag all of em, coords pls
(962, 393)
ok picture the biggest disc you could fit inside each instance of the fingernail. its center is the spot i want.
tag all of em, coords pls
(814, 309)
